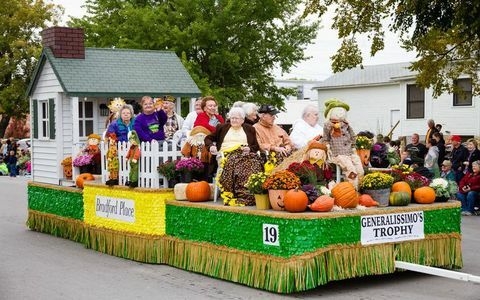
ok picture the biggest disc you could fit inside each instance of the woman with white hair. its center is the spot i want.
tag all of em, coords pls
(251, 113)
(306, 128)
(124, 124)
(235, 143)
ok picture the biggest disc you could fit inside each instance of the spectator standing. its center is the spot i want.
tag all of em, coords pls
(417, 150)
(12, 163)
(149, 124)
(209, 118)
(306, 128)
(458, 156)
(431, 159)
(469, 188)
(438, 137)
(431, 130)
(473, 155)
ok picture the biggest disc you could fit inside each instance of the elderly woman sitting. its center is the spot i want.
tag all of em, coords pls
(235, 144)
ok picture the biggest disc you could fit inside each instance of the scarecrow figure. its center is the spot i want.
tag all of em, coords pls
(115, 105)
(112, 159)
(339, 135)
(316, 155)
(132, 157)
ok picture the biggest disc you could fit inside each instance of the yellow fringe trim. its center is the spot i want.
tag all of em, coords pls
(55, 225)
(316, 215)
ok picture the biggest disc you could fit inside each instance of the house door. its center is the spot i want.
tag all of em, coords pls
(394, 118)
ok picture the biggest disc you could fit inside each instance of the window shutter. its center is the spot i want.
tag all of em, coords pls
(35, 119)
(51, 117)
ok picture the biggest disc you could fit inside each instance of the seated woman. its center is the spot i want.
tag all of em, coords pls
(473, 155)
(124, 124)
(469, 188)
(209, 117)
(149, 124)
(236, 145)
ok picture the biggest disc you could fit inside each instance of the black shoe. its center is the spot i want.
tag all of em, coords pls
(133, 184)
(112, 182)
(127, 183)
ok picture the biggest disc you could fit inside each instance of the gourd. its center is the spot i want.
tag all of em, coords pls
(345, 195)
(295, 201)
(424, 195)
(399, 199)
(367, 200)
(82, 178)
(402, 186)
(198, 191)
(323, 203)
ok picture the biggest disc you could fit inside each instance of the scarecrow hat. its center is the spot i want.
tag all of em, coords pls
(331, 103)
(313, 144)
(133, 137)
(94, 136)
(199, 129)
(169, 98)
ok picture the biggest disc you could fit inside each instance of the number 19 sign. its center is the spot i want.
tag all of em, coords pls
(271, 235)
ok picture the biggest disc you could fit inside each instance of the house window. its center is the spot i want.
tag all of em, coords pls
(85, 118)
(465, 98)
(415, 102)
(300, 92)
(43, 119)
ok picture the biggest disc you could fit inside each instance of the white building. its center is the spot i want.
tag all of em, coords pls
(294, 105)
(381, 95)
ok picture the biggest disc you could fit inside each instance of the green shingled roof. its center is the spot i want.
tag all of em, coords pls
(120, 72)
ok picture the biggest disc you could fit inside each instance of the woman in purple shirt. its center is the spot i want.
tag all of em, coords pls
(149, 124)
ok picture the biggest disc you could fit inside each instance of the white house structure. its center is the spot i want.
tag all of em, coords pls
(381, 95)
(294, 105)
(72, 85)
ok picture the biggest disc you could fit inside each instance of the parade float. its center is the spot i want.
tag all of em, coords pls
(307, 235)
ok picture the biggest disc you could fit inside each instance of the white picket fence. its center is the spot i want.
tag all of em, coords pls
(152, 154)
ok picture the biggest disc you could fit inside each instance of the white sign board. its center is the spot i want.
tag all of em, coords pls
(378, 229)
(271, 235)
(115, 208)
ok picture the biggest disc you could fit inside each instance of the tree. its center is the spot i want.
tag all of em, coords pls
(444, 34)
(20, 23)
(230, 47)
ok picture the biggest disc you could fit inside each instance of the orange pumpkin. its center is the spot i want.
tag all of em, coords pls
(323, 203)
(295, 201)
(402, 186)
(367, 200)
(424, 195)
(345, 195)
(198, 191)
(82, 178)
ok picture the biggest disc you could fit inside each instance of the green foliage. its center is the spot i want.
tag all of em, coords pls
(229, 47)
(444, 34)
(20, 22)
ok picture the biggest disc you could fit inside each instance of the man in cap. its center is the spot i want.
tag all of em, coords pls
(458, 156)
(270, 136)
(174, 121)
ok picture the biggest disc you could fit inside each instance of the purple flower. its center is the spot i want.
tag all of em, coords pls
(189, 164)
(83, 160)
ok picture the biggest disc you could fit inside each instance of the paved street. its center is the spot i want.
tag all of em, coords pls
(40, 266)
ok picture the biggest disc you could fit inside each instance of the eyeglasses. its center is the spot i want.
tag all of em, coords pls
(236, 118)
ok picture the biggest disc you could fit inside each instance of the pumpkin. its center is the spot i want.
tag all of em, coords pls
(67, 171)
(402, 186)
(82, 178)
(399, 199)
(424, 195)
(345, 195)
(198, 191)
(295, 201)
(367, 200)
(322, 203)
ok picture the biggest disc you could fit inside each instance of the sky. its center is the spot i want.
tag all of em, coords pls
(318, 67)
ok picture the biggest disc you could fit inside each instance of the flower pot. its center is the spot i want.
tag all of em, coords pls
(187, 177)
(172, 183)
(67, 171)
(381, 196)
(276, 199)
(262, 201)
(364, 155)
(441, 199)
(84, 169)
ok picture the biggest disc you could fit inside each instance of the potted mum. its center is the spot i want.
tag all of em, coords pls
(278, 184)
(255, 186)
(305, 171)
(189, 168)
(442, 189)
(378, 186)
(169, 171)
(84, 163)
